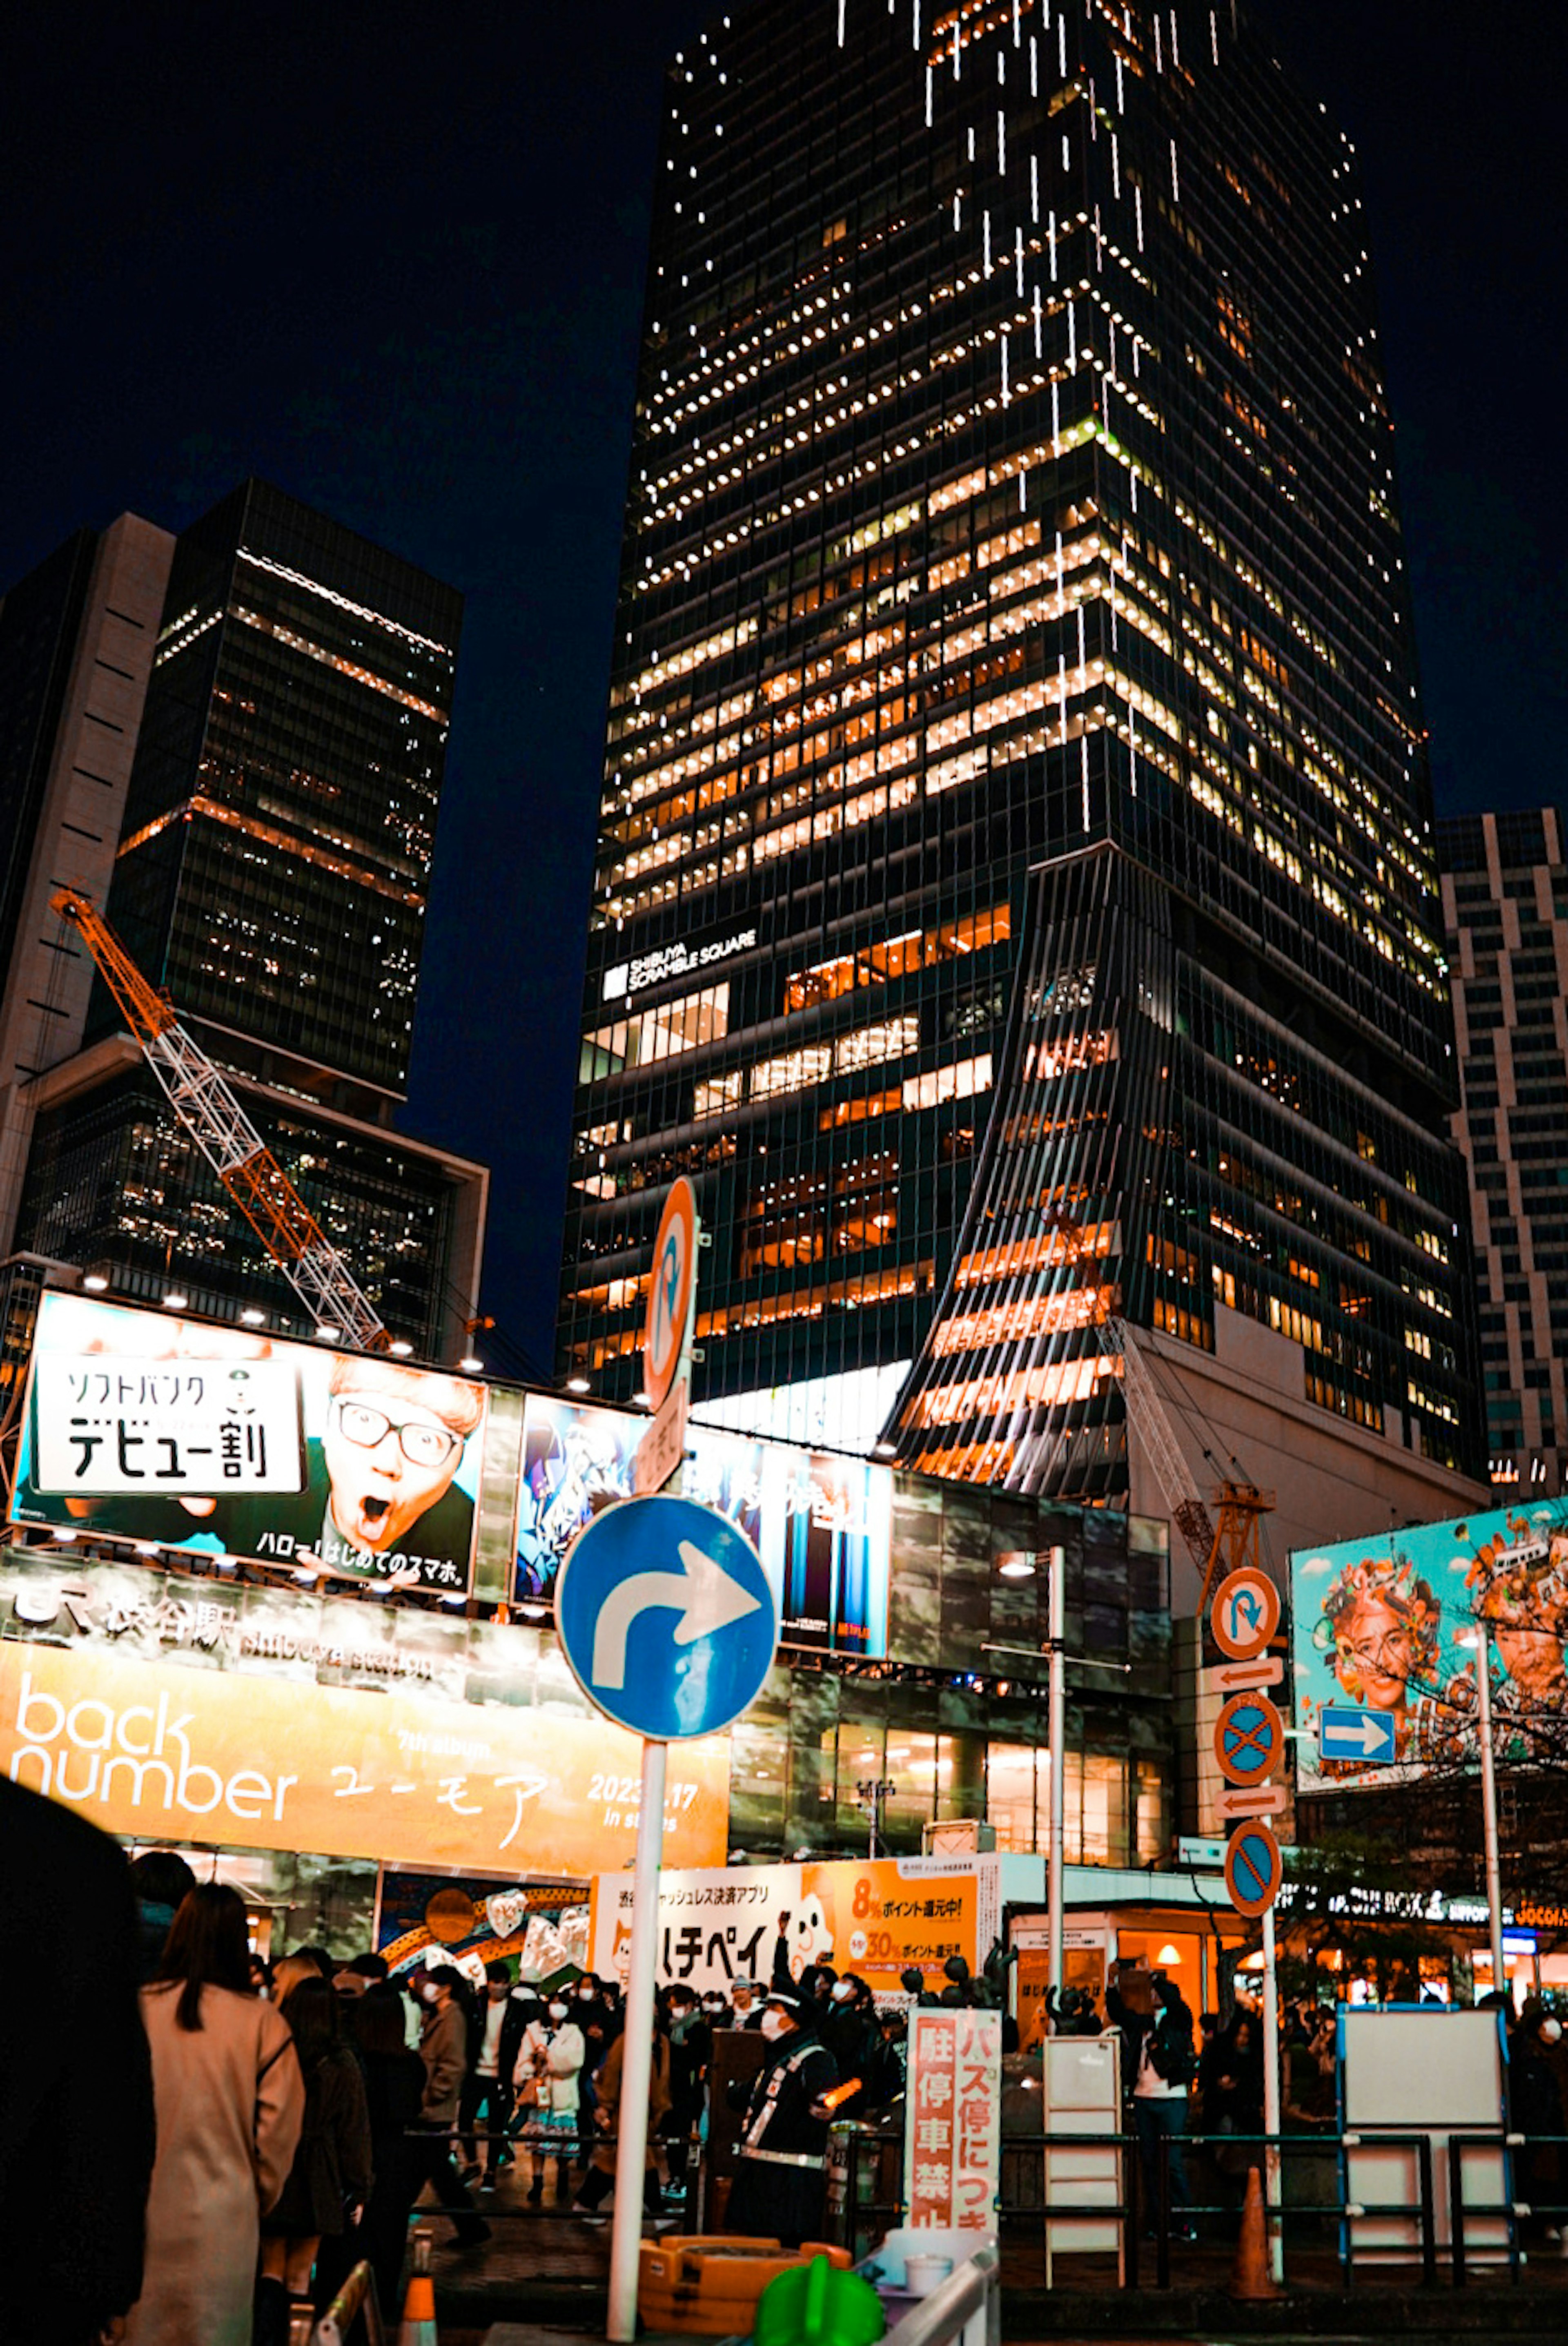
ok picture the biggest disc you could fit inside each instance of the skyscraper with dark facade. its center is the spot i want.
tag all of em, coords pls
(1015, 898)
(265, 845)
(1505, 900)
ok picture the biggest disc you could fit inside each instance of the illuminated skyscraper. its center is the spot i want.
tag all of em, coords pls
(1015, 895)
(266, 701)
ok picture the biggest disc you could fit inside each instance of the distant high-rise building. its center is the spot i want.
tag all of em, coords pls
(1505, 903)
(1016, 897)
(276, 716)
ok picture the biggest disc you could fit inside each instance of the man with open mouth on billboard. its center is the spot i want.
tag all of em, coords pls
(380, 1500)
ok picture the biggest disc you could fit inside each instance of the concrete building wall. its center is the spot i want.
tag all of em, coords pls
(1244, 1404)
(44, 1009)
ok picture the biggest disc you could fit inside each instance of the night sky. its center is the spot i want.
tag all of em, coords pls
(392, 259)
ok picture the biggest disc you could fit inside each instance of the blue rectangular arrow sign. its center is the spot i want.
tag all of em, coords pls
(1367, 1736)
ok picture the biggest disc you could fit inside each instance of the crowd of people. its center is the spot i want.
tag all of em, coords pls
(192, 2140)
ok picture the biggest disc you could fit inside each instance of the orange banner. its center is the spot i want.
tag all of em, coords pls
(875, 1916)
(161, 1751)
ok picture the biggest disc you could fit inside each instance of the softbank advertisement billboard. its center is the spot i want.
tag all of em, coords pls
(1380, 1624)
(142, 1425)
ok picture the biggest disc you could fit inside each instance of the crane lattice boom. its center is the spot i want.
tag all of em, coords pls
(206, 1107)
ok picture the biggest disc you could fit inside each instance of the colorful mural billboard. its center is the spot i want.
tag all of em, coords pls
(1377, 1625)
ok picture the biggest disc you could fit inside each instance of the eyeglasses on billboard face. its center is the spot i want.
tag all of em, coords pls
(422, 1444)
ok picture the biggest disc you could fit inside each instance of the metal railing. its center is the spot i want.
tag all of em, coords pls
(875, 2158)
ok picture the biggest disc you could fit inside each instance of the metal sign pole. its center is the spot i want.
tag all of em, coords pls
(1058, 1742)
(637, 2055)
(1271, 2097)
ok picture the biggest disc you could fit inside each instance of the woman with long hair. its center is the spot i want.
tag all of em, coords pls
(229, 2103)
(331, 2178)
(394, 2089)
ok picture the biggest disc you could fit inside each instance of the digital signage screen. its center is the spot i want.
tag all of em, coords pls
(822, 1523)
(142, 1425)
(1377, 1625)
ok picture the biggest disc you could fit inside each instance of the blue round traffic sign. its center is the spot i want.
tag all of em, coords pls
(666, 1617)
(1248, 1739)
(1253, 1869)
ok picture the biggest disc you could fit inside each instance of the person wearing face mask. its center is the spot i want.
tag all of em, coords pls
(444, 2048)
(716, 2009)
(854, 2036)
(690, 2052)
(547, 2076)
(592, 2014)
(781, 2152)
(488, 2084)
(745, 2005)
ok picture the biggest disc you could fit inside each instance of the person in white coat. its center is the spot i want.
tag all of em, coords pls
(229, 2104)
(548, 2078)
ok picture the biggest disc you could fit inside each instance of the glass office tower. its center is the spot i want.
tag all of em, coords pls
(280, 822)
(270, 852)
(1015, 899)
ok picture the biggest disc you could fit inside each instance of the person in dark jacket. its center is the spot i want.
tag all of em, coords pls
(691, 2053)
(76, 2091)
(394, 2088)
(1535, 2107)
(329, 2180)
(781, 2152)
(1158, 2052)
(853, 2034)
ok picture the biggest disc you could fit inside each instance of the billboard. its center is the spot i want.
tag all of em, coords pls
(820, 1522)
(164, 1707)
(142, 1425)
(1377, 1623)
(877, 1916)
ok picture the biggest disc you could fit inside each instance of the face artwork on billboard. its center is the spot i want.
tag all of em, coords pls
(1378, 1624)
(141, 1425)
(820, 1523)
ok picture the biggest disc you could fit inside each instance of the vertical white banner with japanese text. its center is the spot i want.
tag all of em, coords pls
(952, 2124)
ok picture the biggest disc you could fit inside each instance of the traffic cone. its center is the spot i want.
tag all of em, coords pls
(417, 2327)
(1250, 2274)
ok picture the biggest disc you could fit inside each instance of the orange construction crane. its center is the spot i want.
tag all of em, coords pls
(207, 1108)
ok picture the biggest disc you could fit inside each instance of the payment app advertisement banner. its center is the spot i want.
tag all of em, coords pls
(822, 1523)
(143, 1425)
(952, 2118)
(1377, 1623)
(877, 1916)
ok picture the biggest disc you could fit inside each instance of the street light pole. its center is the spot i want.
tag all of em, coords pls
(1489, 1801)
(875, 1791)
(1058, 1741)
